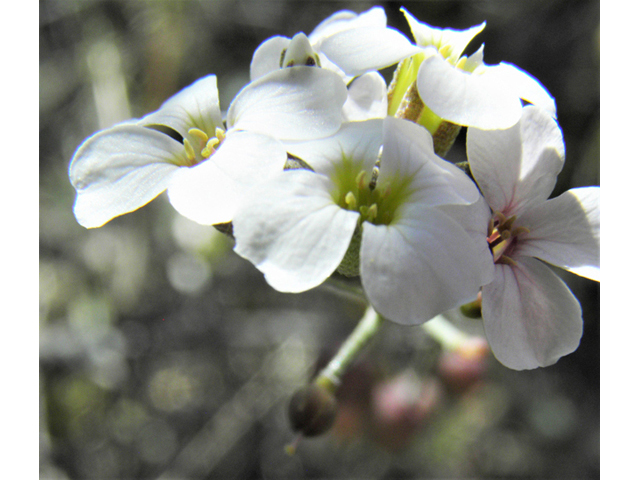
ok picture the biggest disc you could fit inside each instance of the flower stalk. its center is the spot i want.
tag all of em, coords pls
(329, 377)
(445, 333)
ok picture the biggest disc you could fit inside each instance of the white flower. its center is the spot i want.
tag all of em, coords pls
(531, 318)
(414, 260)
(120, 169)
(465, 91)
(346, 42)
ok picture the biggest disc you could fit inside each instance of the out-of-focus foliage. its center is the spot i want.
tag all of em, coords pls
(165, 355)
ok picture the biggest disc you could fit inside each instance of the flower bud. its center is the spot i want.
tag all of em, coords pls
(402, 406)
(473, 309)
(463, 367)
(312, 410)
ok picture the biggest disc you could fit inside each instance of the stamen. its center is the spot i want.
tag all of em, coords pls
(211, 145)
(350, 200)
(500, 219)
(219, 133)
(461, 63)
(502, 237)
(360, 181)
(191, 154)
(520, 230)
(196, 132)
(507, 260)
(506, 225)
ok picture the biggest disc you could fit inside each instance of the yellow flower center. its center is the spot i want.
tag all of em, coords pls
(204, 147)
(361, 193)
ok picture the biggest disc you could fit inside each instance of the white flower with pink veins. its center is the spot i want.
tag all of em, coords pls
(531, 318)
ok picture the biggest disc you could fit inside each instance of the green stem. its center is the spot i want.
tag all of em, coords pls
(369, 325)
(445, 333)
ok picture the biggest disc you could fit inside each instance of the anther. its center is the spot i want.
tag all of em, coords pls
(350, 200)
(196, 132)
(506, 225)
(519, 231)
(499, 219)
(507, 260)
(219, 133)
(212, 143)
(360, 181)
(191, 154)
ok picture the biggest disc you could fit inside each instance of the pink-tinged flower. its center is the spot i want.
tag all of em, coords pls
(122, 168)
(531, 318)
(378, 217)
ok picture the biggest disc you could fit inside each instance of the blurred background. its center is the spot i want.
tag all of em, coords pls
(165, 355)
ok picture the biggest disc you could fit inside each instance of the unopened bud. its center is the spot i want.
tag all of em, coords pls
(312, 410)
(465, 366)
(473, 309)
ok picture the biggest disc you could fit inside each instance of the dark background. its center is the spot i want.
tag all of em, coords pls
(163, 354)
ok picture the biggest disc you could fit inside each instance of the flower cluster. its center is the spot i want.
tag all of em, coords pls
(322, 169)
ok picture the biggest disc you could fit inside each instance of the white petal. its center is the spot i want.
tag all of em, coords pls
(196, 106)
(565, 231)
(296, 103)
(357, 141)
(345, 19)
(466, 99)
(474, 219)
(419, 266)
(267, 56)
(334, 23)
(426, 35)
(494, 158)
(291, 230)
(364, 49)
(210, 192)
(408, 154)
(530, 316)
(527, 87)
(121, 169)
(517, 168)
(475, 60)
(367, 98)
